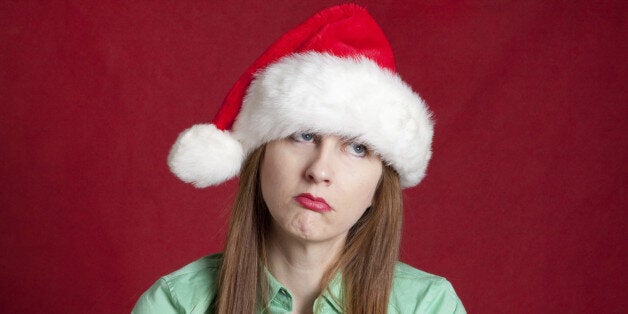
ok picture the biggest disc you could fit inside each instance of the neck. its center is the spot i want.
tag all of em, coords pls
(300, 267)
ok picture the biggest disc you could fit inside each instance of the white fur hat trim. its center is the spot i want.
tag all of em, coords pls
(352, 97)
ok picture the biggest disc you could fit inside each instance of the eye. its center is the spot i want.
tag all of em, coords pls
(357, 149)
(303, 137)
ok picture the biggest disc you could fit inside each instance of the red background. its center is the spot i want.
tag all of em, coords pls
(523, 208)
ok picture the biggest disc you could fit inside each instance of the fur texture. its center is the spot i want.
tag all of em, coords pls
(351, 97)
(317, 92)
(204, 155)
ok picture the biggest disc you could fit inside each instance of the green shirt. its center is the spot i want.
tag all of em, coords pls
(192, 288)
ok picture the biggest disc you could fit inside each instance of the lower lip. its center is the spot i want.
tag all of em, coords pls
(313, 205)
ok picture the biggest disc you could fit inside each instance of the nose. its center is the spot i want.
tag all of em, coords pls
(320, 169)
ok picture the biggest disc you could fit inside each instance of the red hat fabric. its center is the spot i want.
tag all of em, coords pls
(333, 74)
(344, 31)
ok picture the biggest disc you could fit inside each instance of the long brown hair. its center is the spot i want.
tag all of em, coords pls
(367, 262)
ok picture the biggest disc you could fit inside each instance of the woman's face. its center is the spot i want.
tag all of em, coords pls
(317, 186)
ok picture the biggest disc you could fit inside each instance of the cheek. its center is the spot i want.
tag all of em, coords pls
(371, 176)
(364, 185)
(276, 177)
(270, 180)
(366, 192)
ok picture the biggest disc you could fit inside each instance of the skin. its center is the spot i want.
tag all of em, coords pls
(304, 243)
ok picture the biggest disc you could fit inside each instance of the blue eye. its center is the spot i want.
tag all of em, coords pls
(357, 149)
(303, 137)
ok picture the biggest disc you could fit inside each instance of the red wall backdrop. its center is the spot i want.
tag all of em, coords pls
(524, 205)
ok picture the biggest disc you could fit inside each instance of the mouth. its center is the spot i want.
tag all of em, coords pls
(317, 204)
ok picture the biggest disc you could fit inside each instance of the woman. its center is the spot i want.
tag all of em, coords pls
(324, 135)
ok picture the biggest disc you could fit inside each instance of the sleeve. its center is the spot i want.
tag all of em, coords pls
(158, 299)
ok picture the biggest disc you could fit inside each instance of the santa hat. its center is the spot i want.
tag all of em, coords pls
(333, 74)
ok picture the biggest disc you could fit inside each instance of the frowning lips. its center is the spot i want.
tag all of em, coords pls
(309, 201)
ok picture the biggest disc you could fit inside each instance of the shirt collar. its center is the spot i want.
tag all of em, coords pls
(281, 296)
(333, 294)
(277, 293)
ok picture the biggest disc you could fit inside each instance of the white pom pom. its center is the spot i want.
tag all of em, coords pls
(204, 155)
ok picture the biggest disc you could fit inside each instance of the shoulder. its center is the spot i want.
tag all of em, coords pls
(188, 289)
(415, 291)
(200, 270)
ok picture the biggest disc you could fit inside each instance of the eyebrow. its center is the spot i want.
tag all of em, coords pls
(352, 139)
